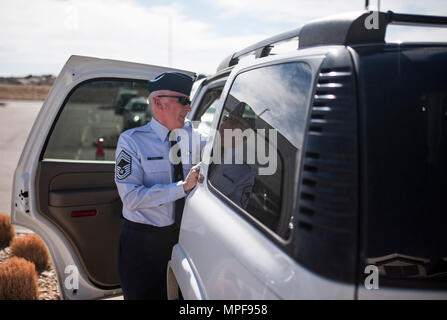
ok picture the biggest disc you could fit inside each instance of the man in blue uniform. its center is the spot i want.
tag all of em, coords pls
(152, 188)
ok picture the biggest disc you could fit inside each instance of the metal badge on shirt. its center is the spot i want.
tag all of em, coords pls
(123, 165)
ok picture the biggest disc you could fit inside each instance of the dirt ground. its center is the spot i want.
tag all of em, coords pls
(23, 92)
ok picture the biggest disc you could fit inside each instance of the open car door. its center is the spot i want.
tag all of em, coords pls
(64, 187)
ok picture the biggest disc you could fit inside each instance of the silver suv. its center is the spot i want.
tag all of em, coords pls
(354, 208)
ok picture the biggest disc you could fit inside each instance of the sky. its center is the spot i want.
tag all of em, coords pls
(37, 37)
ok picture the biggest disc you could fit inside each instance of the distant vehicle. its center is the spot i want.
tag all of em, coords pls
(122, 98)
(136, 113)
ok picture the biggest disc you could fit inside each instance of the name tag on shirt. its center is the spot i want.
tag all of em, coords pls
(154, 158)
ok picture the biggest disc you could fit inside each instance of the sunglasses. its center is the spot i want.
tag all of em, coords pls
(184, 101)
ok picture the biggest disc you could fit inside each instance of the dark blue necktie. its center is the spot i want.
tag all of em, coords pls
(178, 176)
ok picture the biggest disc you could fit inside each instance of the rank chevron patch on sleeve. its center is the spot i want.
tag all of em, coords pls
(123, 166)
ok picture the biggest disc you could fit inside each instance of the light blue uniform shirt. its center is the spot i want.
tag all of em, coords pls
(144, 174)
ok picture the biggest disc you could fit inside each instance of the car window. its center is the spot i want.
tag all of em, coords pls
(142, 107)
(207, 110)
(258, 139)
(93, 117)
(406, 176)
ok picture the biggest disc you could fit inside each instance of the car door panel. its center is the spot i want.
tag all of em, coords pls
(93, 192)
(224, 268)
(68, 196)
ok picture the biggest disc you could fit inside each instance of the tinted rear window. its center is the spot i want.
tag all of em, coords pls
(404, 126)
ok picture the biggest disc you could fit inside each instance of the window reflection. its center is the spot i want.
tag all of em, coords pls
(279, 95)
(265, 106)
(207, 110)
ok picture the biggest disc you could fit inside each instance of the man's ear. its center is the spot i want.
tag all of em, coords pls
(157, 103)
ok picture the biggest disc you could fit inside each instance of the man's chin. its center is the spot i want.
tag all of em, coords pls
(179, 125)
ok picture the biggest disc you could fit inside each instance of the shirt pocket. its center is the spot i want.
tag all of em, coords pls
(156, 172)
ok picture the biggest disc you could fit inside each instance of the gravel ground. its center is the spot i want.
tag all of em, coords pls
(48, 288)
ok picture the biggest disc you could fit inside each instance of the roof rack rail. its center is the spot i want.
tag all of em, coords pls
(344, 29)
(260, 49)
(416, 20)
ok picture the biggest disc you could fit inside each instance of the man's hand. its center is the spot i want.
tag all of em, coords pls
(192, 177)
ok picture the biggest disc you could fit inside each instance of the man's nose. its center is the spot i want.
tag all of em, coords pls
(188, 107)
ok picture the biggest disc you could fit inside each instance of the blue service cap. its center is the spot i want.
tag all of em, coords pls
(173, 81)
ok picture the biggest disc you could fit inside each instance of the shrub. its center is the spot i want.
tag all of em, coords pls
(18, 280)
(6, 231)
(32, 248)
